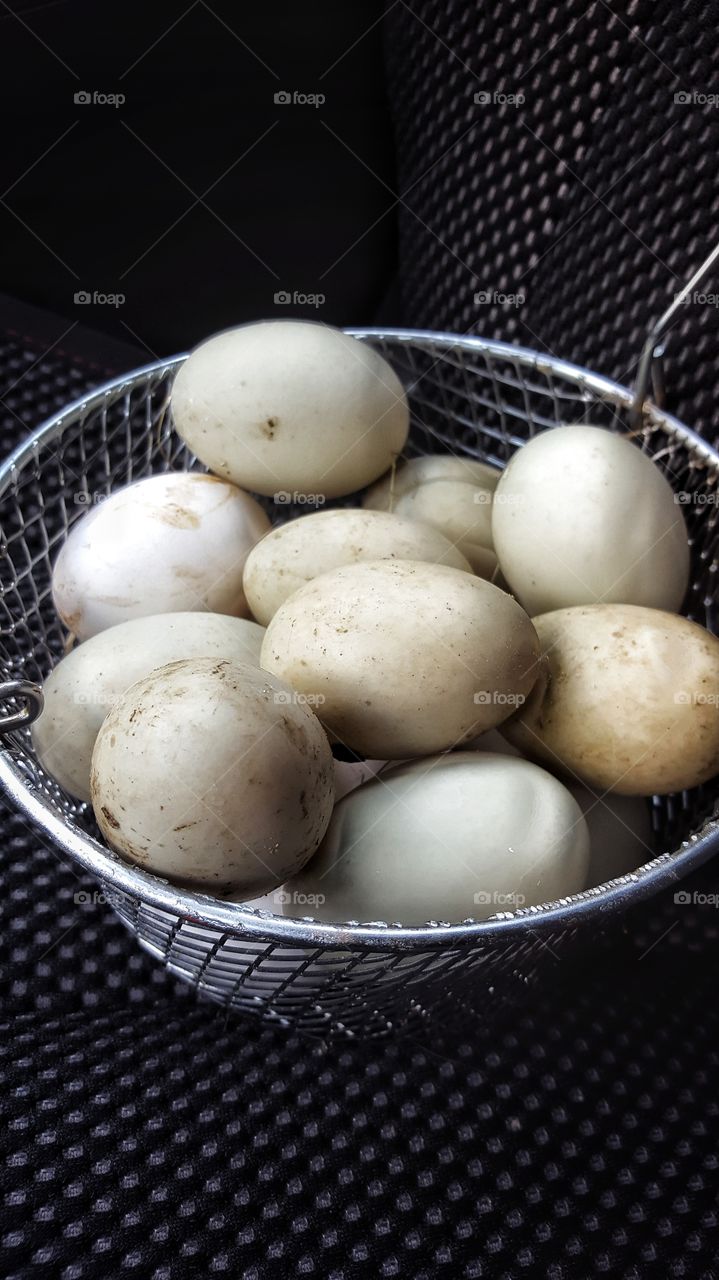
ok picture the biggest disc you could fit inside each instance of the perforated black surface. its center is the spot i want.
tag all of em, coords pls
(148, 1136)
(594, 198)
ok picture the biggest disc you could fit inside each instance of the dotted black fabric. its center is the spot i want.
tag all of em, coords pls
(147, 1135)
(566, 207)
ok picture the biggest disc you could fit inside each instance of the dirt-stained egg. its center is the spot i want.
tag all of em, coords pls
(627, 700)
(86, 683)
(213, 774)
(291, 409)
(295, 553)
(403, 658)
(166, 544)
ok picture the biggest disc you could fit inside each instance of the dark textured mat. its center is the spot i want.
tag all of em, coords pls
(583, 182)
(146, 1135)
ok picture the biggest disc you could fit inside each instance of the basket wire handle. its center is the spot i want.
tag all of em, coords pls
(28, 693)
(650, 362)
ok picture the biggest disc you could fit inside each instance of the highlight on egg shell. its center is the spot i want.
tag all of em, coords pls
(620, 829)
(166, 544)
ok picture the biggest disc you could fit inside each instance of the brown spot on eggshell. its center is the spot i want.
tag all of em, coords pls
(294, 733)
(179, 517)
(269, 427)
(72, 621)
(195, 575)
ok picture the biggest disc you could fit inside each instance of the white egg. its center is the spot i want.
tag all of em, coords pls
(210, 773)
(301, 550)
(403, 658)
(452, 494)
(83, 687)
(620, 829)
(166, 544)
(452, 837)
(287, 407)
(582, 516)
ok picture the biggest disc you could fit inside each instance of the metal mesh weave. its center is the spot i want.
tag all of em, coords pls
(467, 396)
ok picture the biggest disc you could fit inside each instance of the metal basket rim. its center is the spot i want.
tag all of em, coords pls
(235, 918)
(542, 363)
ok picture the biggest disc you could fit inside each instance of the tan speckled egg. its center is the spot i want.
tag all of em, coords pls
(403, 658)
(214, 775)
(287, 406)
(299, 551)
(81, 689)
(165, 544)
(628, 699)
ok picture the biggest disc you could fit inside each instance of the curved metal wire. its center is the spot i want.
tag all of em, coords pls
(468, 395)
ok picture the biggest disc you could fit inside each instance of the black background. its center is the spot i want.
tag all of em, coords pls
(299, 197)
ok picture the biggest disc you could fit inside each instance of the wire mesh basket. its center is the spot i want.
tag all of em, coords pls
(468, 396)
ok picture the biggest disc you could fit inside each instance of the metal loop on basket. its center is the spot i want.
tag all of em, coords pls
(650, 362)
(28, 693)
